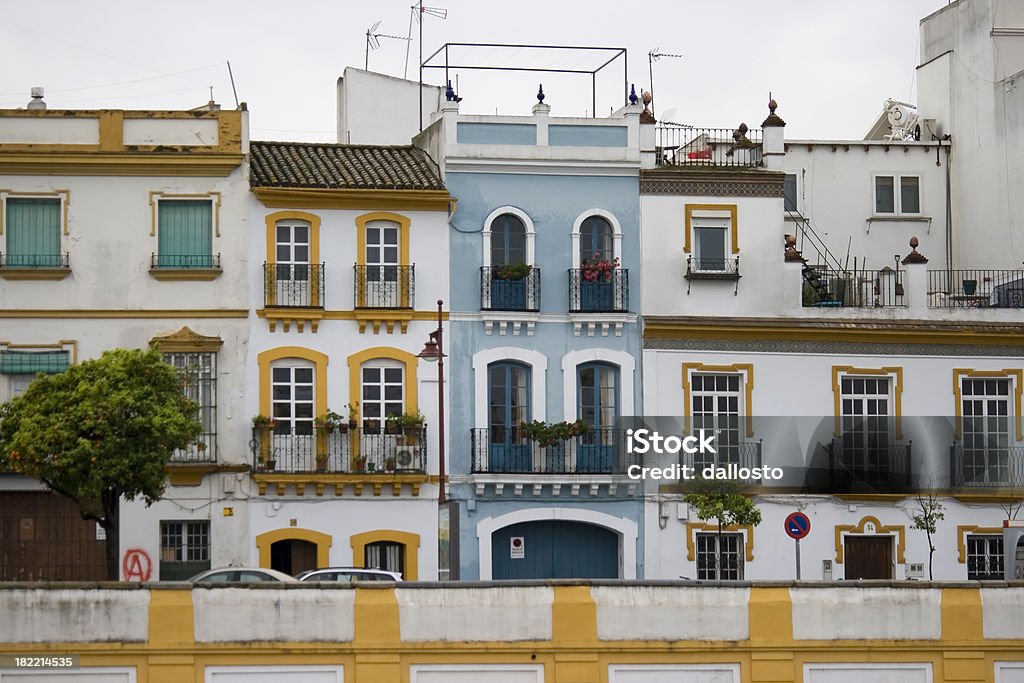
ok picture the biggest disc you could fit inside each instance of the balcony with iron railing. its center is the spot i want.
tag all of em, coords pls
(505, 289)
(360, 450)
(507, 450)
(977, 288)
(293, 285)
(857, 466)
(203, 451)
(735, 458)
(593, 291)
(987, 466)
(179, 261)
(684, 146)
(384, 287)
(34, 266)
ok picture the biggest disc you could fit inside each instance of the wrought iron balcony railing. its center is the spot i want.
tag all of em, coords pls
(203, 450)
(503, 290)
(183, 261)
(342, 451)
(976, 288)
(34, 260)
(506, 450)
(686, 146)
(385, 286)
(879, 467)
(745, 455)
(987, 466)
(293, 285)
(853, 288)
(592, 291)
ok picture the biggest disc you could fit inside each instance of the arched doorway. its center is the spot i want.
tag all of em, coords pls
(292, 555)
(554, 549)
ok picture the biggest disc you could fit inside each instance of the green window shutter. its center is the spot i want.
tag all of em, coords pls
(33, 233)
(31, 362)
(185, 234)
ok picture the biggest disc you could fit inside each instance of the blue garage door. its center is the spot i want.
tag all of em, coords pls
(555, 550)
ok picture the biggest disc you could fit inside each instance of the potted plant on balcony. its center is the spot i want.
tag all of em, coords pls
(508, 286)
(353, 414)
(552, 438)
(389, 463)
(329, 422)
(359, 463)
(408, 426)
(597, 283)
(263, 427)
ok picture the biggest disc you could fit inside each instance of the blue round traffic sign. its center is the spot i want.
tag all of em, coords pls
(798, 525)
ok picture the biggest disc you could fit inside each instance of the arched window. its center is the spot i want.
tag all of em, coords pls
(292, 262)
(508, 240)
(386, 555)
(382, 392)
(596, 239)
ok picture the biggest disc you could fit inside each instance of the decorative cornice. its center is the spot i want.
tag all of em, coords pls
(767, 184)
(186, 339)
(317, 198)
(98, 163)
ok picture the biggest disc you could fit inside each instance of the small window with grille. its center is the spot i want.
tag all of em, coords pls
(724, 566)
(984, 557)
(386, 555)
(184, 548)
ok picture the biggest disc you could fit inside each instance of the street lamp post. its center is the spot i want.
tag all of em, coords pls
(433, 351)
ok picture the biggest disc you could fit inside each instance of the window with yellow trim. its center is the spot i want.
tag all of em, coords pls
(987, 416)
(382, 392)
(386, 555)
(293, 279)
(293, 407)
(385, 280)
(867, 424)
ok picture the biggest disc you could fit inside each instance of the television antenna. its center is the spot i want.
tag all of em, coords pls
(372, 42)
(653, 56)
(416, 13)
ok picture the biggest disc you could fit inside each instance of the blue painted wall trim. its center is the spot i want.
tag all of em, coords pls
(587, 136)
(496, 134)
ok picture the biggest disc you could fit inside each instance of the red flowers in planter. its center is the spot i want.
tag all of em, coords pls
(598, 269)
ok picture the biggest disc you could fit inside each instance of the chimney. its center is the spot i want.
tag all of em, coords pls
(37, 99)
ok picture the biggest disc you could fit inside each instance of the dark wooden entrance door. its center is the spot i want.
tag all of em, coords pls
(292, 556)
(868, 557)
(44, 538)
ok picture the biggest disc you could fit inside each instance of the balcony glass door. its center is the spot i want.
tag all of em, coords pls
(382, 287)
(292, 269)
(508, 248)
(509, 406)
(598, 406)
(715, 404)
(596, 244)
(986, 431)
(292, 404)
(866, 437)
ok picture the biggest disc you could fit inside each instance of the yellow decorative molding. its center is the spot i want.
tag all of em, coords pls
(322, 542)
(69, 345)
(898, 530)
(367, 200)
(115, 313)
(185, 274)
(359, 481)
(409, 541)
(51, 274)
(893, 372)
(266, 358)
(339, 314)
(156, 195)
(404, 224)
(191, 474)
(289, 316)
(731, 209)
(1018, 386)
(186, 340)
(388, 318)
(693, 527)
(961, 537)
(746, 370)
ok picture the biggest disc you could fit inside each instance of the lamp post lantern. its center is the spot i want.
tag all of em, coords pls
(433, 351)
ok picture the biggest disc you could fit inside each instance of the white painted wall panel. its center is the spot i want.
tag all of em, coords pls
(477, 673)
(866, 613)
(46, 131)
(867, 673)
(1009, 672)
(658, 673)
(274, 674)
(242, 615)
(654, 613)
(1002, 610)
(170, 131)
(475, 614)
(74, 616)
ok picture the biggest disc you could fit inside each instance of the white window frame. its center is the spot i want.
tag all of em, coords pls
(987, 540)
(292, 364)
(1010, 420)
(531, 233)
(798, 184)
(897, 188)
(704, 222)
(382, 364)
(577, 234)
(716, 395)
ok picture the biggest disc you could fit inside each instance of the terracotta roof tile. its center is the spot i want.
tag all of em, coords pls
(362, 167)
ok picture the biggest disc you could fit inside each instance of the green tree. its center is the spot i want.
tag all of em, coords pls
(102, 430)
(720, 499)
(929, 512)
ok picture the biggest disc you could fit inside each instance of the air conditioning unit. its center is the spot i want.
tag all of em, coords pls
(408, 457)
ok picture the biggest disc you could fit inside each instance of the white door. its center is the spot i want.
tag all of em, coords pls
(292, 274)
(382, 266)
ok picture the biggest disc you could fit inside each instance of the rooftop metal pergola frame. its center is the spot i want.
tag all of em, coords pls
(618, 52)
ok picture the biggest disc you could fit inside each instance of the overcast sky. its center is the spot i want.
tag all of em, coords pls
(829, 64)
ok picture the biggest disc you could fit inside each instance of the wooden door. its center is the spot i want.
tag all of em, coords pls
(868, 557)
(44, 538)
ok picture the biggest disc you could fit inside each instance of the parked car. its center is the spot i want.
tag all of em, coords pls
(242, 575)
(348, 574)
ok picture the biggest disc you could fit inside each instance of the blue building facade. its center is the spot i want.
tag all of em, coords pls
(545, 268)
